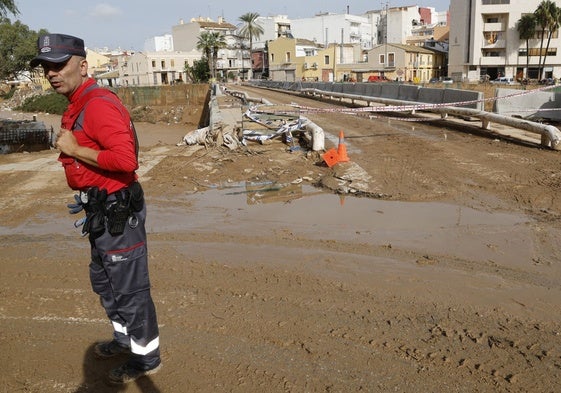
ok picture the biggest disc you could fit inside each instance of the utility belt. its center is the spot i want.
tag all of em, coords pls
(110, 211)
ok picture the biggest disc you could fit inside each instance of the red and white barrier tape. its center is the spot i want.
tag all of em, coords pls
(413, 107)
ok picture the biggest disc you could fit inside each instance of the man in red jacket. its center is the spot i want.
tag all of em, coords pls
(99, 153)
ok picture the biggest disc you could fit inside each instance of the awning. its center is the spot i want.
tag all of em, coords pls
(108, 75)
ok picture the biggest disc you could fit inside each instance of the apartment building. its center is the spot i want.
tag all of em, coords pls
(485, 43)
(156, 68)
(233, 61)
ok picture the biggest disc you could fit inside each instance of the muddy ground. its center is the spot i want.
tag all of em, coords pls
(445, 279)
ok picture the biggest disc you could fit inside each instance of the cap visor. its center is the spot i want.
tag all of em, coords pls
(50, 58)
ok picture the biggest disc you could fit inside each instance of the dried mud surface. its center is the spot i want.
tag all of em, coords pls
(252, 298)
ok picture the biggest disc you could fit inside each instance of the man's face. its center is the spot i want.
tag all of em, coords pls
(66, 77)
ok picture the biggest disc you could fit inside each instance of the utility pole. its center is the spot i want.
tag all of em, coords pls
(386, 36)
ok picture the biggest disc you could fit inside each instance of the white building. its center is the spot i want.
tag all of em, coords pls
(273, 27)
(163, 43)
(327, 28)
(484, 40)
(233, 61)
(401, 21)
(397, 25)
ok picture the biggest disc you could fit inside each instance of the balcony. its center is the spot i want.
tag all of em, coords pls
(499, 26)
(497, 44)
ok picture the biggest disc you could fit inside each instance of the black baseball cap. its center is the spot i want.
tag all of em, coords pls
(57, 48)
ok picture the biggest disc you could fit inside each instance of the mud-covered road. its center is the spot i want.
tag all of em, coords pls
(449, 281)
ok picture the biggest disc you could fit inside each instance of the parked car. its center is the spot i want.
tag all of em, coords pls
(434, 80)
(503, 80)
(547, 81)
(447, 80)
(377, 78)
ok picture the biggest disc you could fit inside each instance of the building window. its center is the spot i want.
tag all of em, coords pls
(536, 52)
(287, 57)
(326, 59)
(391, 59)
(172, 63)
(153, 63)
(272, 57)
(163, 64)
(382, 59)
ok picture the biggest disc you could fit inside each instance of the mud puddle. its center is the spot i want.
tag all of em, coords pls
(307, 212)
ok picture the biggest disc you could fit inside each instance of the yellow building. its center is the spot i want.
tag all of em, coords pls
(294, 59)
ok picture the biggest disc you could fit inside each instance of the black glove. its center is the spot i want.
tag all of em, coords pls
(95, 212)
(136, 197)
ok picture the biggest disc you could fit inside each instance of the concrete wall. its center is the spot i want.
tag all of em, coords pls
(181, 94)
(394, 91)
(519, 102)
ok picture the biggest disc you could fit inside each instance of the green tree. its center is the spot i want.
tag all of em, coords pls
(527, 29)
(545, 18)
(17, 48)
(199, 71)
(8, 6)
(250, 30)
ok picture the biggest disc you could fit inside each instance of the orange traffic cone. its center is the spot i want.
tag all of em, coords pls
(341, 199)
(330, 157)
(342, 149)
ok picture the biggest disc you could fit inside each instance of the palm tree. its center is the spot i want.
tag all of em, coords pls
(205, 44)
(8, 6)
(553, 26)
(250, 30)
(527, 29)
(210, 43)
(544, 16)
(218, 42)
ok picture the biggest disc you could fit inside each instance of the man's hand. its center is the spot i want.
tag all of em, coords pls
(66, 142)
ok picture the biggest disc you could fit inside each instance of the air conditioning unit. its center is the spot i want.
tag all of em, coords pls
(305, 66)
(315, 66)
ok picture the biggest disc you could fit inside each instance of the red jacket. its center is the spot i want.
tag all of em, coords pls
(100, 121)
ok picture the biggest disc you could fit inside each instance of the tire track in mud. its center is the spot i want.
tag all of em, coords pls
(386, 251)
(270, 313)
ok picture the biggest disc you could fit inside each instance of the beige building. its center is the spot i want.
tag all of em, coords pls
(156, 68)
(405, 62)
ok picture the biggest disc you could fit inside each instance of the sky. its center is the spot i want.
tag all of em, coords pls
(126, 24)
